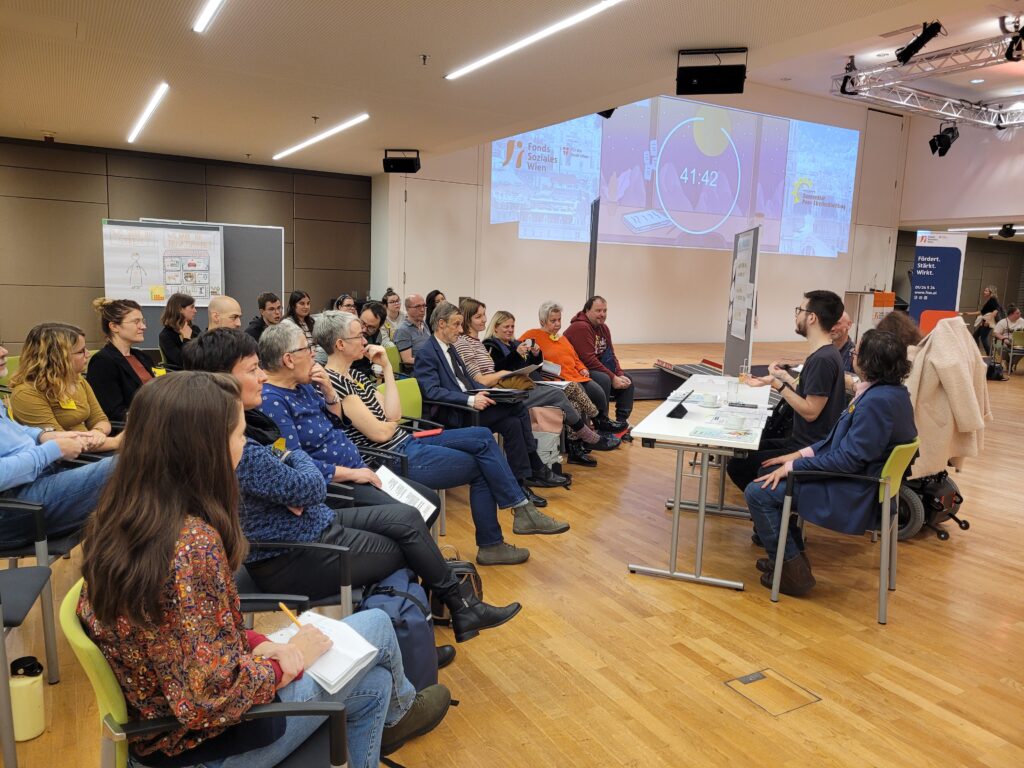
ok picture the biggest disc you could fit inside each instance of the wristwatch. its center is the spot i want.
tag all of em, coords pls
(331, 402)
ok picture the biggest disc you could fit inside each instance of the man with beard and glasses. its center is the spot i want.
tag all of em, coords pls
(817, 397)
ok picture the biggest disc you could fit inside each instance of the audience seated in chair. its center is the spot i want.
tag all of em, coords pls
(50, 392)
(119, 370)
(590, 336)
(225, 312)
(372, 317)
(468, 456)
(282, 499)
(28, 471)
(434, 298)
(160, 602)
(270, 314)
(879, 418)
(560, 351)
(299, 314)
(411, 333)
(393, 303)
(177, 327)
(444, 379)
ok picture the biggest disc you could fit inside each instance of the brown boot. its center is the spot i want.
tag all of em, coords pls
(797, 579)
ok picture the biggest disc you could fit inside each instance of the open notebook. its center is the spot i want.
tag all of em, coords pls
(346, 659)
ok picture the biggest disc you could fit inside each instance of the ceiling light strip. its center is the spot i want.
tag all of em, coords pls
(571, 21)
(325, 135)
(154, 102)
(206, 15)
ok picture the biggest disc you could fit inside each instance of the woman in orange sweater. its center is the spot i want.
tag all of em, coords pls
(559, 351)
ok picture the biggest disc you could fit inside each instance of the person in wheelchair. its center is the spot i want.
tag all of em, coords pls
(879, 418)
(282, 499)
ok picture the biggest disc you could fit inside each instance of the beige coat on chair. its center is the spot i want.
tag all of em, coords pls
(950, 397)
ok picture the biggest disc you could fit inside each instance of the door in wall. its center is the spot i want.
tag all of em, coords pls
(441, 237)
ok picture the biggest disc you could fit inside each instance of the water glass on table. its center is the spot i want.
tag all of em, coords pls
(732, 391)
(744, 372)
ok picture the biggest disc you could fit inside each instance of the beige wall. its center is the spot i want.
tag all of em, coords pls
(52, 200)
(655, 294)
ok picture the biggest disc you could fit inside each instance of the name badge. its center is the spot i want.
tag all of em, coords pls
(68, 405)
(280, 444)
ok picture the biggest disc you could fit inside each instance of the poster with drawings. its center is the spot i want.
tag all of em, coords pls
(148, 263)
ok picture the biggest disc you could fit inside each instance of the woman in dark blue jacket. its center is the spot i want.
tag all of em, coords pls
(879, 418)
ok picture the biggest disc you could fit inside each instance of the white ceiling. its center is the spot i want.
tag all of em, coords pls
(84, 69)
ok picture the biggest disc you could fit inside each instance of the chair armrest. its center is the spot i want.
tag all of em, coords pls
(796, 474)
(414, 424)
(19, 506)
(254, 602)
(386, 455)
(344, 561)
(467, 408)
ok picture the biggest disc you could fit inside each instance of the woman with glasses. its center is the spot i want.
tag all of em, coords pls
(49, 391)
(393, 304)
(119, 370)
(344, 303)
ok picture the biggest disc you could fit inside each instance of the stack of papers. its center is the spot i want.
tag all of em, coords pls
(349, 655)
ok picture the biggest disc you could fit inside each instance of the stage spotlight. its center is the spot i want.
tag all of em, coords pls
(943, 140)
(911, 49)
(1007, 230)
(606, 113)
(1015, 50)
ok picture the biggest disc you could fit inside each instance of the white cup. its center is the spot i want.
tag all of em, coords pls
(710, 400)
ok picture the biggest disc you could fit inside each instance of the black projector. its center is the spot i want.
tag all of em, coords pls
(714, 78)
(401, 164)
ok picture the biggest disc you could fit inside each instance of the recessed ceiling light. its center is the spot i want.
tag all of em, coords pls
(977, 81)
(206, 15)
(154, 101)
(571, 21)
(325, 135)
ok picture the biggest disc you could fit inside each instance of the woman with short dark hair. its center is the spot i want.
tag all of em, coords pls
(178, 327)
(880, 417)
(160, 599)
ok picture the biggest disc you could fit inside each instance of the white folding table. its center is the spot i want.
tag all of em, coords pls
(682, 435)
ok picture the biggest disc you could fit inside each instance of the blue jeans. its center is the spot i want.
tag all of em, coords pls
(378, 697)
(68, 496)
(469, 455)
(765, 507)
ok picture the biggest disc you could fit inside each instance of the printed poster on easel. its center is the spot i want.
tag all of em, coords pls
(148, 263)
(742, 301)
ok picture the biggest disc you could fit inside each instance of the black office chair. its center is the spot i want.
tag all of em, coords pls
(19, 588)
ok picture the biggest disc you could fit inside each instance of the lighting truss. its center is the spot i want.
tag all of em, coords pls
(885, 85)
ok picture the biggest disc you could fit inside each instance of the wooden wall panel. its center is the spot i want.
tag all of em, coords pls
(331, 245)
(52, 185)
(249, 178)
(309, 184)
(235, 205)
(52, 158)
(325, 208)
(26, 306)
(325, 284)
(148, 198)
(49, 242)
(156, 168)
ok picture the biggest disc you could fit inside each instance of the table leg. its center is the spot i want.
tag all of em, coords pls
(673, 549)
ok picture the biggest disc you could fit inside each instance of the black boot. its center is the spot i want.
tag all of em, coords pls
(578, 455)
(470, 615)
(606, 425)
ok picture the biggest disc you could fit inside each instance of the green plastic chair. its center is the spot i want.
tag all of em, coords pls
(1015, 349)
(329, 739)
(395, 357)
(889, 481)
(13, 362)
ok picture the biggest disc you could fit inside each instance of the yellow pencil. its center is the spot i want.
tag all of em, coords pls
(289, 614)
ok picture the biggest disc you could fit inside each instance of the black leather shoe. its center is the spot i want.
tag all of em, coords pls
(604, 424)
(445, 655)
(577, 454)
(545, 478)
(470, 615)
(537, 501)
(605, 443)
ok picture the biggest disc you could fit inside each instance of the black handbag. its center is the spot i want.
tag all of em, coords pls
(780, 423)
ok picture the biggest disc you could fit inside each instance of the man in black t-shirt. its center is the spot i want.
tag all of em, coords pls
(817, 397)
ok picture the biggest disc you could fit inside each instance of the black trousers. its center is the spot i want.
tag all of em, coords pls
(381, 537)
(597, 395)
(623, 397)
(744, 471)
(512, 422)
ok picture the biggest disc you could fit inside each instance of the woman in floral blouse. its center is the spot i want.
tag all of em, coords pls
(160, 600)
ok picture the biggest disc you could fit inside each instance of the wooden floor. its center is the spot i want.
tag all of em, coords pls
(607, 668)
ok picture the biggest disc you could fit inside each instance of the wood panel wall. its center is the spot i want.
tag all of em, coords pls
(53, 199)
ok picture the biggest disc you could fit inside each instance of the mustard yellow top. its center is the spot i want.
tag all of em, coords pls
(79, 414)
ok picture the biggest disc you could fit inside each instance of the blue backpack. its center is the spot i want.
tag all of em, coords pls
(402, 598)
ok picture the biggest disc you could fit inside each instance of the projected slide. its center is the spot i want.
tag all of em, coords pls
(673, 172)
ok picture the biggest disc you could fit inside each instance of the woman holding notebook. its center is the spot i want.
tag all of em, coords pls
(160, 601)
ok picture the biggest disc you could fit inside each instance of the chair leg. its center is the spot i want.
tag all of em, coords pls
(346, 601)
(884, 557)
(780, 551)
(50, 634)
(443, 517)
(893, 543)
(10, 752)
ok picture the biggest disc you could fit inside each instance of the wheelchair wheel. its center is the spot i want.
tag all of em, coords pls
(911, 514)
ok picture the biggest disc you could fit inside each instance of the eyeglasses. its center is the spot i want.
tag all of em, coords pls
(308, 348)
(351, 338)
(140, 321)
(418, 306)
(798, 310)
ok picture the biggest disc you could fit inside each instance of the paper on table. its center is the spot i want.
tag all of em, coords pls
(347, 657)
(719, 433)
(739, 419)
(399, 490)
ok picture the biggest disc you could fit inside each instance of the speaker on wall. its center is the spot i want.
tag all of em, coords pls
(718, 78)
(401, 163)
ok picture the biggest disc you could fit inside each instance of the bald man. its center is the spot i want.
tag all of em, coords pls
(412, 332)
(840, 334)
(225, 312)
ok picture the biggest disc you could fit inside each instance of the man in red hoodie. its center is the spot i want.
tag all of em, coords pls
(592, 339)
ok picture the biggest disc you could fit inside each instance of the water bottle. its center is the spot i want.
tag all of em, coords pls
(27, 698)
